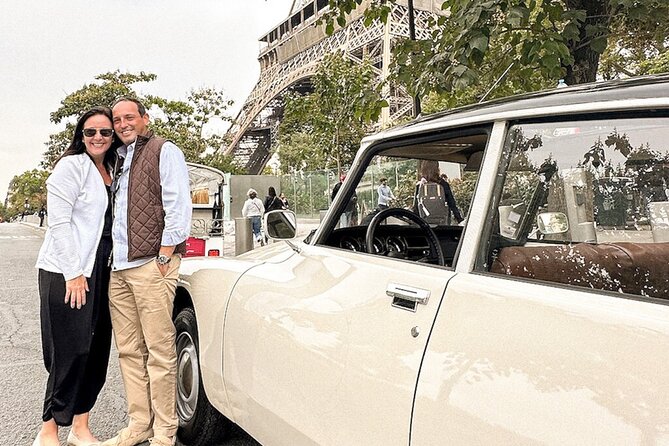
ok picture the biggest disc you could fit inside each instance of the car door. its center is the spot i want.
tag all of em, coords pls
(521, 363)
(537, 354)
(317, 353)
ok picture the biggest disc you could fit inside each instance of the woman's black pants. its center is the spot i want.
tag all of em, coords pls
(75, 343)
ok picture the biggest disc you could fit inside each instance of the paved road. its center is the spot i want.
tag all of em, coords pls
(22, 373)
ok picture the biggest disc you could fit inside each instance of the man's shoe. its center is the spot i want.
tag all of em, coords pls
(161, 440)
(127, 437)
(73, 440)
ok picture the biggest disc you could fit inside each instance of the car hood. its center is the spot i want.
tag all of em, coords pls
(275, 253)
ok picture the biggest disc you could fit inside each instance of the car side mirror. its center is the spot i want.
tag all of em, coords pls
(280, 224)
(552, 223)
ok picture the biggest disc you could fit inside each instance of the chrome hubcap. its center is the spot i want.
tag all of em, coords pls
(188, 377)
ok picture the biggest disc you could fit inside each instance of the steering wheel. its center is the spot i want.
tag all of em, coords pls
(436, 252)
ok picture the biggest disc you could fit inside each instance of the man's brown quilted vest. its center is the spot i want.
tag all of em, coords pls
(146, 216)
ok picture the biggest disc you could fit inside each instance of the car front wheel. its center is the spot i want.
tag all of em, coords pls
(199, 423)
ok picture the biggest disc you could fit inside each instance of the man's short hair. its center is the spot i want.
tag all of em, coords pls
(140, 107)
(383, 179)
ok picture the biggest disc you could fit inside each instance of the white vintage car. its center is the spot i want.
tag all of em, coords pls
(542, 317)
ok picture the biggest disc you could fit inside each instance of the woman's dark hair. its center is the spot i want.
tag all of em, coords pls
(429, 169)
(140, 107)
(77, 145)
(271, 192)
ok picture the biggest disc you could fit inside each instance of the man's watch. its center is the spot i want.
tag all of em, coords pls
(162, 259)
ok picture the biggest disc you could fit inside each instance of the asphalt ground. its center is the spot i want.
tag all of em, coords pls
(22, 373)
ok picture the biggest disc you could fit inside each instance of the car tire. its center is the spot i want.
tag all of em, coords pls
(200, 424)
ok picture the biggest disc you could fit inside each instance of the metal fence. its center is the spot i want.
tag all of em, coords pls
(309, 193)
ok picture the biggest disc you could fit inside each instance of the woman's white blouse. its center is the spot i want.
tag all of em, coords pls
(76, 202)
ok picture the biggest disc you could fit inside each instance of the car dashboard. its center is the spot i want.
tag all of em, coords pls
(405, 242)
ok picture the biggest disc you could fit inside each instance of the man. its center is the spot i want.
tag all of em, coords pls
(385, 194)
(152, 216)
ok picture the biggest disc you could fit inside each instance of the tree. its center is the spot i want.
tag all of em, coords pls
(183, 122)
(638, 43)
(299, 151)
(342, 108)
(4, 213)
(550, 38)
(28, 188)
(655, 66)
(108, 87)
(224, 163)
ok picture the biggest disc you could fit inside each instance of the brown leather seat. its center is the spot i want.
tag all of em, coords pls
(635, 268)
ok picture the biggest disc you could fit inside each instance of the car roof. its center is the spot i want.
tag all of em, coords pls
(628, 94)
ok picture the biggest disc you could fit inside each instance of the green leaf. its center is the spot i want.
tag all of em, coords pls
(550, 61)
(479, 43)
(518, 16)
(459, 70)
(598, 44)
(571, 31)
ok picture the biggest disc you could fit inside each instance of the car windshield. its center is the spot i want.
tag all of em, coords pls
(393, 182)
(429, 181)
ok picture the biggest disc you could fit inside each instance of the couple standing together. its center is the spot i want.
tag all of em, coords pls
(119, 214)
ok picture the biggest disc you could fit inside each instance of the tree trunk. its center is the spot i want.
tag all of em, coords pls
(586, 60)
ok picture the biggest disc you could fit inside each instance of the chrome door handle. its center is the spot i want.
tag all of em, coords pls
(411, 294)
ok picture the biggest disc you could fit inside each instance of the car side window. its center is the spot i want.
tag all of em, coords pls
(584, 203)
(411, 200)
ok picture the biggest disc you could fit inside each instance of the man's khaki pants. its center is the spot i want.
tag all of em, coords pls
(141, 302)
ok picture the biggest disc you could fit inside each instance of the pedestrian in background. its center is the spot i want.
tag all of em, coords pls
(286, 204)
(74, 278)
(385, 194)
(41, 214)
(254, 208)
(272, 202)
(429, 173)
(350, 215)
(26, 208)
(152, 219)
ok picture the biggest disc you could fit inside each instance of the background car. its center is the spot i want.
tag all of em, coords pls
(541, 318)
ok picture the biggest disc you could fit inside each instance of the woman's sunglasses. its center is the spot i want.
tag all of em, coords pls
(89, 133)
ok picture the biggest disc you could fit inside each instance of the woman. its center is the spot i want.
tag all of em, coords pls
(283, 198)
(272, 202)
(255, 209)
(74, 277)
(429, 173)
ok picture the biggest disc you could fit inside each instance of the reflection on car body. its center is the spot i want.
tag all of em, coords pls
(542, 318)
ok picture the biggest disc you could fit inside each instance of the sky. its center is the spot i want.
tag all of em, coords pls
(50, 48)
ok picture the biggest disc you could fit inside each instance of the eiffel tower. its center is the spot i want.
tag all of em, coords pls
(290, 56)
